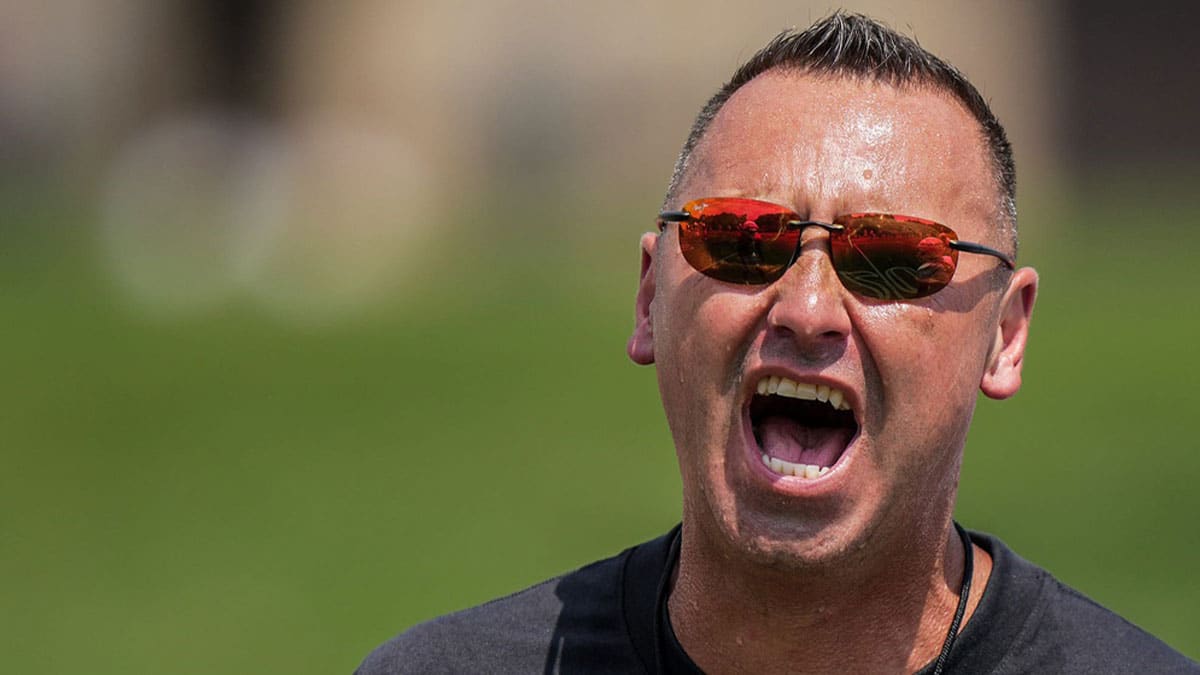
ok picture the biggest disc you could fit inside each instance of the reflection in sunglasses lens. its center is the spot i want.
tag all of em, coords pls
(892, 259)
(739, 247)
(886, 257)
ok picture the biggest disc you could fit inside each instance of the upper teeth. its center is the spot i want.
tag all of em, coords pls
(782, 386)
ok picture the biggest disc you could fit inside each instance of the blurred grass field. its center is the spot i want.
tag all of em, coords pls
(228, 493)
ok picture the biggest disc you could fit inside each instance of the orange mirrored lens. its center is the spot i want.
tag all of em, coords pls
(893, 257)
(882, 256)
(741, 241)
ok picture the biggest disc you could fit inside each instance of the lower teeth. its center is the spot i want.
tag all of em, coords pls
(785, 468)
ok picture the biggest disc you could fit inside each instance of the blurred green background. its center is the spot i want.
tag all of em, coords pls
(226, 494)
(273, 465)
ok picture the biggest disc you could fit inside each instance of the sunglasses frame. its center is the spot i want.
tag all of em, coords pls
(963, 246)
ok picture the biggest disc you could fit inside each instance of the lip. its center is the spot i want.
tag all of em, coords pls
(837, 475)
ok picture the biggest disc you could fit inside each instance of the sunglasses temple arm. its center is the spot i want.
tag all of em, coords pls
(980, 248)
(672, 217)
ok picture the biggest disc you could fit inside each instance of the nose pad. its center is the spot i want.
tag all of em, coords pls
(808, 302)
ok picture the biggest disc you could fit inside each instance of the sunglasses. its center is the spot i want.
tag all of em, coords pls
(875, 255)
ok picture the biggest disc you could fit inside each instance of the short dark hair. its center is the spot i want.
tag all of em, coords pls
(857, 46)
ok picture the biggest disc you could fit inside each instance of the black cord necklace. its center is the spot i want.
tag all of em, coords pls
(963, 593)
(661, 622)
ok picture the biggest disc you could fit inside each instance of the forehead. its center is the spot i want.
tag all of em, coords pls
(826, 145)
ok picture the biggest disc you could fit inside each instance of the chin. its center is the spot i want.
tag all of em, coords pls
(782, 536)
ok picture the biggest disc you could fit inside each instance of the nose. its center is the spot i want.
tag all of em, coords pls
(808, 304)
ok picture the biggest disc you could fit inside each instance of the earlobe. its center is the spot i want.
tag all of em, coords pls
(641, 343)
(1002, 375)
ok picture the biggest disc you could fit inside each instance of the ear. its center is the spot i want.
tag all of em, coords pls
(1002, 376)
(641, 343)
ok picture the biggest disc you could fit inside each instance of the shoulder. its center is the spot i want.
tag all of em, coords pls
(512, 630)
(1094, 639)
(576, 619)
(1040, 624)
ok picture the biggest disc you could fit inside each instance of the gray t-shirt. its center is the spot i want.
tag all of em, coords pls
(607, 618)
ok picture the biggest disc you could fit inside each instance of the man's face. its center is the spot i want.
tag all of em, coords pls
(908, 370)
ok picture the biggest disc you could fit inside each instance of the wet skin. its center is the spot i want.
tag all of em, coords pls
(910, 370)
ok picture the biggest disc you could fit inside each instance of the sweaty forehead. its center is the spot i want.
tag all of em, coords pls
(826, 145)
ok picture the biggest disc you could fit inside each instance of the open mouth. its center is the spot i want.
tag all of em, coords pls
(802, 429)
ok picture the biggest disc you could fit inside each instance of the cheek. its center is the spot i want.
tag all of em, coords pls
(701, 337)
(927, 366)
(702, 334)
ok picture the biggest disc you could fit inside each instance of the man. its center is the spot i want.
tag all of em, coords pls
(819, 336)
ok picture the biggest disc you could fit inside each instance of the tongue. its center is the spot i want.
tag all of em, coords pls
(787, 439)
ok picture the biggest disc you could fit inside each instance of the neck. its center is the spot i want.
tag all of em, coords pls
(888, 617)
